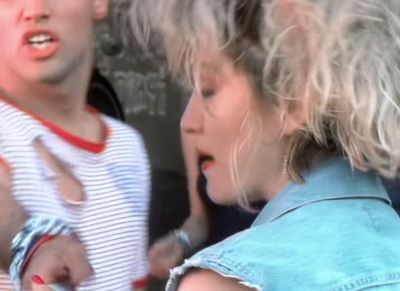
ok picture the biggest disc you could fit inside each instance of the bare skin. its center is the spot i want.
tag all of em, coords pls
(61, 259)
(208, 280)
(167, 252)
(53, 88)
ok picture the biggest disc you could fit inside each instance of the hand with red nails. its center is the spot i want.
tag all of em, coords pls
(61, 260)
(38, 284)
(67, 161)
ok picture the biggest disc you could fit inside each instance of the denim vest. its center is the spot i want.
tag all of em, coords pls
(335, 232)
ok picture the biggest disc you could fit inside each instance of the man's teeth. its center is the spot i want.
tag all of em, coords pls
(40, 45)
(39, 40)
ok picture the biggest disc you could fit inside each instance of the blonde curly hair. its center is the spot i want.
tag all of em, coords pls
(340, 60)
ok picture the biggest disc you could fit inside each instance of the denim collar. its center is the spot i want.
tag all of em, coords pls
(328, 180)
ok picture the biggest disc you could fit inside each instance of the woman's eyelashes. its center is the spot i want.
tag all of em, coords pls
(207, 92)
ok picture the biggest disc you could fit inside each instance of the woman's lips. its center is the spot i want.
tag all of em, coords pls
(207, 165)
(206, 161)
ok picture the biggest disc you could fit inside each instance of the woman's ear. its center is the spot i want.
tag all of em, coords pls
(101, 8)
(293, 118)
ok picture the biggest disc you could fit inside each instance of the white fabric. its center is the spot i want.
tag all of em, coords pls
(112, 222)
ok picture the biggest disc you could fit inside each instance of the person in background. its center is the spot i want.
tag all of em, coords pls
(102, 96)
(296, 102)
(74, 183)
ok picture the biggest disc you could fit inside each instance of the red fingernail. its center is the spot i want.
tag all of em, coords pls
(37, 280)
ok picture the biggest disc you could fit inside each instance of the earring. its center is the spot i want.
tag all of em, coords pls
(285, 164)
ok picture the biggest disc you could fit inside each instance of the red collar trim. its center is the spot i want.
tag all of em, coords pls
(68, 136)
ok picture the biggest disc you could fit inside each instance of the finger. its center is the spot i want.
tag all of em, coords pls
(61, 287)
(47, 269)
(165, 245)
(38, 284)
(159, 272)
(157, 268)
(154, 270)
(78, 265)
(161, 243)
(158, 250)
(170, 262)
(168, 257)
(160, 267)
(153, 251)
(153, 258)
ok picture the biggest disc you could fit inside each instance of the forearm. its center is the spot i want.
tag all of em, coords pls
(12, 218)
(196, 225)
(197, 229)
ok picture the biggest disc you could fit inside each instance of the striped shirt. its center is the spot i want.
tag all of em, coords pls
(112, 220)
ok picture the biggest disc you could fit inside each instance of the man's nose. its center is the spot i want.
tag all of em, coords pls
(37, 10)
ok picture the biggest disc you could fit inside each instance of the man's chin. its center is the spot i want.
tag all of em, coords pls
(51, 77)
(48, 72)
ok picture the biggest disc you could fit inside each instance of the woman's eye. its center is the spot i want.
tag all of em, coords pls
(206, 93)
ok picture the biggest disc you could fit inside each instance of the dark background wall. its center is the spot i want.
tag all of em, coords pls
(152, 103)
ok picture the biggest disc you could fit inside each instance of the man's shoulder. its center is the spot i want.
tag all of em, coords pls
(122, 130)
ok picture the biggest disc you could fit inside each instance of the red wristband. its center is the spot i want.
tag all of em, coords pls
(37, 246)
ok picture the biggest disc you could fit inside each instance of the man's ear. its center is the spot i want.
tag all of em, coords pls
(101, 9)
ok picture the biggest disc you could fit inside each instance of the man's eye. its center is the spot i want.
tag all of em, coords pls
(206, 93)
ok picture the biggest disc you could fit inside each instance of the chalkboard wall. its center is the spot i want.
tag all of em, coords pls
(152, 103)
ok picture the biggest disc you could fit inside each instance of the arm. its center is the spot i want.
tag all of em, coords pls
(57, 260)
(12, 216)
(197, 223)
(168, 252)
(199, 280)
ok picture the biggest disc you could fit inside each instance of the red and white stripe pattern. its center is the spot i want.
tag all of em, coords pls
(112, 221)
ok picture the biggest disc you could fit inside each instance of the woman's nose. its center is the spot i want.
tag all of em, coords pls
(192, 118)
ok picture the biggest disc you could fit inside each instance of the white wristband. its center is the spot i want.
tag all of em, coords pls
(184, 239)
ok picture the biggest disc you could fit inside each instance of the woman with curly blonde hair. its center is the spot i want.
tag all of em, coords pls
(296, 102)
